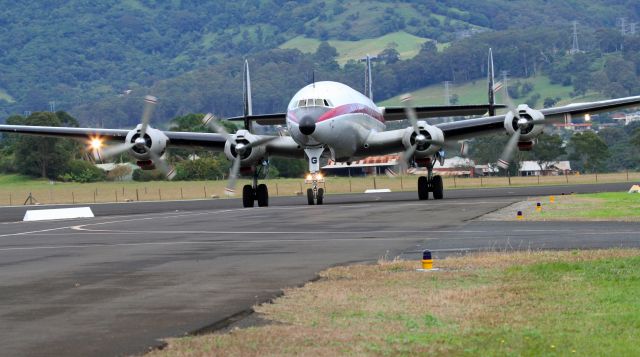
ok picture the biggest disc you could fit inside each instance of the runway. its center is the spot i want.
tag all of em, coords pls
(138, 272)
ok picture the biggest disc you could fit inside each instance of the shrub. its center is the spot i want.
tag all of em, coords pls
(82, 171)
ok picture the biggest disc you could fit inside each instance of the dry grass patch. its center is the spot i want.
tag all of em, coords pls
(495, 303)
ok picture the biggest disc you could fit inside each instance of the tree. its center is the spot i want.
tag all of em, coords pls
(547, 150)
(326, 56)
(289, 167)
(635, 138)
(588, 151)
(44, 157)
(487, 149)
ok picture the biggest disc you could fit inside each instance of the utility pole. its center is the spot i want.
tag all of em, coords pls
(52, 106)
(575, 48)
(447, 94)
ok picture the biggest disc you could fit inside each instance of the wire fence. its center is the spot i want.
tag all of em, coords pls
(103, 192)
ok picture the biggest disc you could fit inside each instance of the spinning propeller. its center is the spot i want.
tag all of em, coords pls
(420, 139)
(142, 143)
(240, 148)
(522, 123)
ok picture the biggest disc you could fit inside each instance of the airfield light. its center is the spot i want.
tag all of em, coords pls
(427, 261)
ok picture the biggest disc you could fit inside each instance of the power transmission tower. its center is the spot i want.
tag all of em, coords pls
(623, 25)
(447, 94)
(575, 48)
(52, 106)
(632, 28)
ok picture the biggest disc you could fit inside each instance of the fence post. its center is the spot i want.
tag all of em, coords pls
(137, 195)
(116, 192)
(566, 177)
(627, 174)
(401, 183)
(375, 186)
(10, 199)
(350, 184)
(277, 193)
(300, 183)
(205, 191)
(454, 181)
(160, 193)
(538, 179)
(181, 195)
(596, 176)
(480, 180)
(73, 198)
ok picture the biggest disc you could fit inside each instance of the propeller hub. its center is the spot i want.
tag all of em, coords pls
(522, 122)
(240, 148)
(421, 139)
(140, 142)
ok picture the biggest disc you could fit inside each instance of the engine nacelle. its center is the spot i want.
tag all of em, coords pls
(528, 132)
(250, 156)
(155, 141)
(430, 132)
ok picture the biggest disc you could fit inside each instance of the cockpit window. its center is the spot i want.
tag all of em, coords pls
(301, 102)
(319, 102)
(309, 102)
(327, 104)
(314, 103)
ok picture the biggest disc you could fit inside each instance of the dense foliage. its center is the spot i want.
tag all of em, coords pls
(85, 55)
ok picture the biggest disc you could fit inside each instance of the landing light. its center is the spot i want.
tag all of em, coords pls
(587, 117)
(95, 143)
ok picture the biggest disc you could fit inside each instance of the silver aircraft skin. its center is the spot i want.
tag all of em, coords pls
(330, 119)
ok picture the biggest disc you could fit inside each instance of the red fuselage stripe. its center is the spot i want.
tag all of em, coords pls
(354, 108)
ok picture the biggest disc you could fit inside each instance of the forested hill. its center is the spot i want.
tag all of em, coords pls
(82, 55)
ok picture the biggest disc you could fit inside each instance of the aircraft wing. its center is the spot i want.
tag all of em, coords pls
(183, 139)
(398, 113)
(391, 141)
(264, 119)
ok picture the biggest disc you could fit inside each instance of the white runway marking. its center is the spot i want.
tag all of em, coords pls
(106, 245)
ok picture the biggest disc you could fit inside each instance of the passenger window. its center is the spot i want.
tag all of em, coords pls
(301, 102)
(319, 102)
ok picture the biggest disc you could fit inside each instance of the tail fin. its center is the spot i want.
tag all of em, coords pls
(246, 93)
(368, 86)
(490, 77)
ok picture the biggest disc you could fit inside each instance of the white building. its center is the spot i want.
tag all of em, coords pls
(555, 168)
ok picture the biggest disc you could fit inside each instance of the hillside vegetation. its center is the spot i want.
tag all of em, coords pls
(83, 55)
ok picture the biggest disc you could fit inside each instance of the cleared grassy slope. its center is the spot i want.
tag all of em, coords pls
(407, 45)
(475, 92)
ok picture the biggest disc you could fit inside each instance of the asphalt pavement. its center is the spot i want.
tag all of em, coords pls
(138, 272)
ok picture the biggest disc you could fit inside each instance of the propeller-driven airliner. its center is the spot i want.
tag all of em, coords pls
(330, 119)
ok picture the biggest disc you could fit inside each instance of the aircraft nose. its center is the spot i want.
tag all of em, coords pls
(307, 125)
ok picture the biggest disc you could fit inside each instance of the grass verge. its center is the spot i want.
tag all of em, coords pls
(522, 303)
(14, 189)
(605, 206)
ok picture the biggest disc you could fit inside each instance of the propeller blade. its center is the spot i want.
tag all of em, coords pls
(212, 122)
(233, 176)
(411, 112)
(149, 104)
(162, 165)
(509, 150)
(406, 156)
(113, 150)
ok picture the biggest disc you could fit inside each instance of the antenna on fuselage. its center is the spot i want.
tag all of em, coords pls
(491, 85)
(246, 96)
(313, 78)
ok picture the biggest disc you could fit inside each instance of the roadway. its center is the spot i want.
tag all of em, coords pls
(138, 272)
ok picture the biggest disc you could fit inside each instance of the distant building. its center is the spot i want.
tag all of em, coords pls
(556, 168)
(124, 172)
(626, 118)
(390, 165)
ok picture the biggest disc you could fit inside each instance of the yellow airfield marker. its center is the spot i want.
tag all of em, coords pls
(427, 261)
(519, 215)
(552, 199)
(538, 207)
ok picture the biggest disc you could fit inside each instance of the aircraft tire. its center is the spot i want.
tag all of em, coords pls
(310, 197)
(262, 195)
(423, 188)
(248, 196)
(320, 198)
(438, 188)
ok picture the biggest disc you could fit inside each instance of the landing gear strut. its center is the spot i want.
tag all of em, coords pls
(315, 194)
(430, 183)
(255, 192)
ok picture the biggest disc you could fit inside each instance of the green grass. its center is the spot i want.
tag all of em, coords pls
(475, 92)
(539, 303)
(597, 206)
(408, 46)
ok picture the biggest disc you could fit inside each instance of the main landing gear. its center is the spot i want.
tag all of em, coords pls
(255, 192)
(430, 183)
